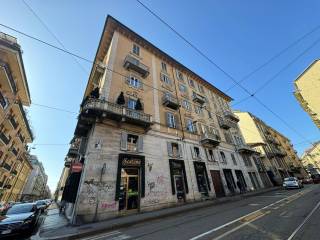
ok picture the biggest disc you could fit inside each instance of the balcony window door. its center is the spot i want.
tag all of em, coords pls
(3, 101)
(164, 66)
(134, 82)
(190, 126)
(223, 157)
(132, 103)
(171, 120)
(136, 49)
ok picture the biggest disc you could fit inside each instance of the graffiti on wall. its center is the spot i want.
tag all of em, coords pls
(105, 189)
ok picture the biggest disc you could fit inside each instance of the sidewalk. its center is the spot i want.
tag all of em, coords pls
(66, 231)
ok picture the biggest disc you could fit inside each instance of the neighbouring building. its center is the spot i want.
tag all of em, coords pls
(311, 159)
(35, 187)
(150, 134)
(276, 151)
(307, 88)
(15, 132)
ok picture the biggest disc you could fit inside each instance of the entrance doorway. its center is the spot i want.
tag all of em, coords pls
(179, 183)
(129, 196)
(217, 183)
(202, 178)
(229, 179)
(241, 179)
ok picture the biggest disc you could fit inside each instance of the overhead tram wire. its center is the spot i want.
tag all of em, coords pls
(75, 55)
(266, 83)
(219, 68)
(53, 35)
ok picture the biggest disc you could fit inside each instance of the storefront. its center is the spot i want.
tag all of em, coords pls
(202, 178)
(241, 179)
(179, 184)
(130, 185)
(230, 180)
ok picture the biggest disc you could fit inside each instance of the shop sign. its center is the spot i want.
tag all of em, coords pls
(131, 162)
(76, 167)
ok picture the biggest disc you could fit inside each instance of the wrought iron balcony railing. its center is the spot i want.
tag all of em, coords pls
(134, 64)
(170, 101)
(210, 139)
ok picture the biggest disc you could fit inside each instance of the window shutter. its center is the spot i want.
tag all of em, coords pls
(169, 148)
(207, 154)
(176, 119)
(202, 155)
(180, 150)
(192, 151)
(140, 144)
(124, 143)
(168, 119)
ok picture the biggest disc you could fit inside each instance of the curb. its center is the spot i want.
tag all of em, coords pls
(208, 203)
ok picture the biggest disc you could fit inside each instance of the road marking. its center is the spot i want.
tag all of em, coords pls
(238, 219)
(304, 221)
(254, 204)
(96, 237)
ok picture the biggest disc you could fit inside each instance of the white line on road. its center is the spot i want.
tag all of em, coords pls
(238, 219)
(304, 221)
(96, 237)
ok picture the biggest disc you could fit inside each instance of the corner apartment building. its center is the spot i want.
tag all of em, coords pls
(311, 159)
(307, 87)
(15, 132)
(35, 188)
(151, 134)
(276, 151)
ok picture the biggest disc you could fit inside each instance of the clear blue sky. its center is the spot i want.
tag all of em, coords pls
(238, 35)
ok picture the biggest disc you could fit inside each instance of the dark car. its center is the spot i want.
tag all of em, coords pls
(316, 178)
(42, 205)
(19, 219)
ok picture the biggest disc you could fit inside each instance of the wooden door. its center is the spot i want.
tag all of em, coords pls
(217, 183)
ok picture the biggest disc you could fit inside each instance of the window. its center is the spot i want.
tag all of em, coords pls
(223, 157)
(182, 88)
(209, 115)
(186, 105)
(196, 152)
(174, 149)
(246, 160)
(200, 87)
(136, 49)
(191, 83)
(233, 159)
(210, 155)
(190, 126)
(3, 101)
(164, 78)
(228, 137)
(171, 120)
(180, 76)
(134, 82)
(238, 140)
(164, 66)
(132, 103)
(198, 110)
(131, 142)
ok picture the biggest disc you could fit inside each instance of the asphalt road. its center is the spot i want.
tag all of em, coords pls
(283, 214)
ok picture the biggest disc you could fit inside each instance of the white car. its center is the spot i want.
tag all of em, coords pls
(292, 182)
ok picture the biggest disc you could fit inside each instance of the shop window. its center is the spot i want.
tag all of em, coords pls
(223, 157)
(174, 149)
(3, 101)
(131, 142)
(233, 159)
(171, 120)
(136, 49)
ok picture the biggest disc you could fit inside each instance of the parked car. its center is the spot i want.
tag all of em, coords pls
(42, 205)
(307, 181)
(316, 178)
(292, 182)
(3, 207)
(19, 219)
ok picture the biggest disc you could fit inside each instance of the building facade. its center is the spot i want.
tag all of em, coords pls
(311, 159)
(35, 187)
(15, 132)
(151, 134)
(276, 151)
(307, 87)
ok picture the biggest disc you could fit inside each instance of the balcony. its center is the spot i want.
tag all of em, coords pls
(210, 139)
(231, 116)
(244, 148)
(198, 98)
(67, 164)
(6, 166)
(170, 101)
(73, 151)
(4, 139)
(97, 108)
(13, 122)
(280, 153)
(225, 123)
(134, 64)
